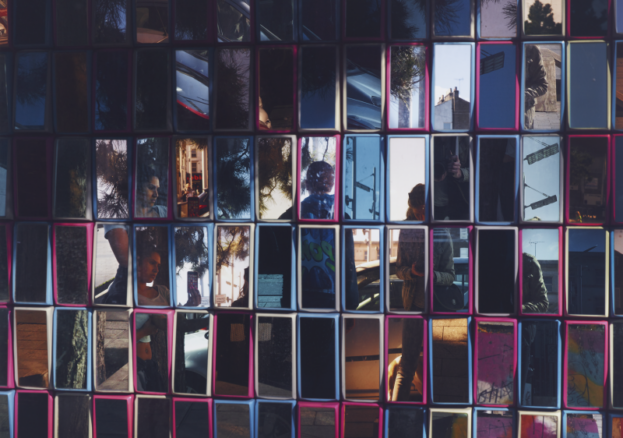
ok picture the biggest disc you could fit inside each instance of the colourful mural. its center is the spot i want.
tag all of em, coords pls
(449, 425)
(494, 424)
(584, 425)
(495, 363)
(538, 426)
(585, 365)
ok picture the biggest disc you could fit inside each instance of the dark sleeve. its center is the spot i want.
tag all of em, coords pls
(537, 84)
(534, 291)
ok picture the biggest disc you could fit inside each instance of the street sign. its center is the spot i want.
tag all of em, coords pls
(542, 153)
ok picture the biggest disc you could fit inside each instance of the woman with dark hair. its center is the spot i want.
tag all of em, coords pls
(147, 194)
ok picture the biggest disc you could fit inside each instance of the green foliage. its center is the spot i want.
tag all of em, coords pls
(191, 248)
(407, 69)
(112, 180)
(232, 102)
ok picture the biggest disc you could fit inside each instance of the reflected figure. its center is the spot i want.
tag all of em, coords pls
(233, 22)
(147, 197)
(534, 291)
(148, 266)
(148, 374)
(319, 182)
(451, 189)
(265, 122)
(243, 297)
(535, 82)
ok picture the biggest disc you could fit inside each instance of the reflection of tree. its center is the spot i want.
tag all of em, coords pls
(275, 169)
(30, 81)
(232, 243)
(191, 20)
(541, 20)
(72, 339)
(112, 179)
(232, 100)
(401, 13)
(71, 178)
(109, 20)
(509, 11)
(447, 13)
(407, 71)
(233, 161)
(190, 248)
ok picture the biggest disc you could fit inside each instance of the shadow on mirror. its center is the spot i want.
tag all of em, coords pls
(31, 409)
(498, 19)
(72, 275)
(493, 424)
(542, 85)
(111, 90)
(32, 348)
(362, 254)
(405, 422)
(407, 175)
(317, 178)
(152, 21)
(152, 266)
(112, 350)
(71, 88)
(589, 102)
(497, 178)
(191, 419)
(586, 274)
(111, 167)
(31, 255)
(72, 332)
(407, 86)
(451, 178)
(112, 252)
(496, 265)
(543, 17)
(274, 419)
(32, 177)
(233, 420)
(111, 418)
(541, 178)
(449, 424)
(579, 425)
(192, 164)
(274, 357)
(498, 83)
(540, 270)
(274, 178)
(361, 421)
(405, 367)
(31, 88)
(452, 69)
(407, 269)
(451, 270)
(73, 179)
(363, 18)
(192, 270)
(233, 86)
(274, 276)
(362, 178)
(192, 81)
(151, 94)
(317, 359)
(233, 21)
(539, 426)
(233, 266)
(584, 382)
(539, 363)
(233, 178)
(152, 177)
(362, 358)
(496, 363)
(192, 20)
(151, 350)
(232, 355)
(276, 72)
(318, 279)
(319, 20)
(73, 416)
(110, 21)
(588, 176)
(192, 338)
(153, 418)
(364, 93)
(450, 365)
(318, 86)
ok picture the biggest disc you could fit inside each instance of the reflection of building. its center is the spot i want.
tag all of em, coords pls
(452, 112)
(549, 268)
(192, 165)
(229, 283)
(367, 247)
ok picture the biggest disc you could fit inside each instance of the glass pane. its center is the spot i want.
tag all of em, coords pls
(408, 19)
(110, 21)
(5, 102)
(362, 252)
(192, 163)
(617, 364)
(364, 92)
(233, 21)
(407, 255)
(73, 179)
(233, 87)
(618, 271)
(5, 428)
(407, 86)
(153, 418)
(498, 19)
(362, 178)
(363, 18)
(71, 91)
(4, 351)
(274, 264)
(191, 20)
(233, 420)
(496, 367)
(274, 357)
(275, 20)
(317, 422)
(450, 365)
(360, 420)
(111, 91)
(152, 175)
(274, 420)
(151, 353)
(112, 351)
(191, 419)
(71, 23)
(361, 358)
(191, 358)
(407, 178)
(71, 333)
(317, 167)
(111, 418)
(451, 273)
(318, 279)
(152, 21)
(72, 271)
(580, 425)
(31, 255)
(318, 88)
(192, 267)
(4, 26)
(32, 352)
(585, 365)
(73, 416)
(497, 179)
(405, 423)
(496, 270)
(4, 265)
(452, 17)
(111, 166)
(192, 81)
(232, 266)
(232, 355)
(152, 266)
(452, 69)
(588, 84)
(540, 266)
(618, 102)
(494, 424)
(539, 364)
(276, 70)
(542, 84)
(616, 426)
(151, 101)
(539, 426)
(449, 424)
(543, 17)
(274, 169)
(405, 361)
(31, 409)
(31, 21)
(588, 175)
(318, 20)
(588, 19)
(498, 84)
(112, 251)
(31, 90)
(541, 178)
(317, 361)
(233, 178)
(586, 281)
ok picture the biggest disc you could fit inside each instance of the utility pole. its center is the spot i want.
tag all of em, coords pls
(535, 244)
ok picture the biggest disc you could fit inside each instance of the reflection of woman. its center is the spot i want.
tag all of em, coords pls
(148, 374)
(147, 196)
(265, 122)
(148, 266)
(243, 297)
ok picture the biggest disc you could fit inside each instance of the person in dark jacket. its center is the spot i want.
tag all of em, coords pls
(534, 292)
(535, 82)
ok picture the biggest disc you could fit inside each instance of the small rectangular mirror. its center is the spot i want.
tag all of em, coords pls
(362, 353)
(192, 87)
(405, 361)
(319, 20)
(72, 349)
(152, 80)
(496, 270)
(275, 21)
(447, 423)
(72, 416)
(451, 269)
(404, 422)
(317, 360)
(450, 365)
(363, 19)
(453, 19)
(542, 84)
(539, 364)
(71, 91)
(408, 80)
(72, 179)
(232, 361)
(408, 268)
(579, 425)
(233, 21)
(192, 266)
(151, 197)
(363, 178)
(4, 349)
(152, 417)
(233, 270)
(497, 93)
(498, 19)
(151, 351)
(233, 419)
(615, 425)
(364, 70)
(588, 179)
(192, 419)
(318, 86)
(408, 19)
(539, 424)
(317, 420)
(6, 83)
(407, 173)
(152, 22)
(112, 351)
(192, 178)
(111, 169)
(618, 73)
(276, 89)
(193, 353)
(584, 382)
(192, 20)
(72, 263)
(32, 254)
(32, 91)
(7, 408)
(497, 179)
(275, 362)
(31, 21)
(617, 248)
(540, 268)
(275, 267)
(6, 259)
(541, 179)
(496, 362)
(318, 279)
(274, 419)
(492, 424)
(33, 409)
(452, 178)
(587, 273)
(233, 178)
(111, 90)
(111, 418)
(4, 38)
(275, 160)
(71, 23)
(319, 168)
(111, 22)
(362, 269)
(588, 19)
(535, 26)
(616, 362)
(232, 79)
(152, 286)
(32, 177)
(33, 329)
(112, 280)
(358, 419)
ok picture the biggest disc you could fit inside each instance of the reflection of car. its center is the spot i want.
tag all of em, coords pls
(196, 361)
(192, 82)
(204, 204)
(363, 92)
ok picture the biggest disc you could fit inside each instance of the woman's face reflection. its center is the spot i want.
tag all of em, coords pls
(149, 192)
(148, 268)
(264, 120)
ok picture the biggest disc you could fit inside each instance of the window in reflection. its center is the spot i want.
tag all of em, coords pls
(274, 264)
(616, 378)
(233, 419)
(31, 21)
(408, 19)
(233, 178)
(233, 21)
(233, 266)
(363, 18)
(362, 273)
(586, 271)
(110, 21)
(71, 90)
(32, 255)
(32, 349)
(72, 269)
(451, 270)
(452, 18)
(275, 357)
(405, 361)
(191, 20)
(191, 419)
(588, 19)
(407, 178)
(151, 351)
(276, 70)
(112, 256)
(318, 171)
(192, 338)
(318, 259)
(151, 89)
(452, 70)
(362, 358)
(540, 270)
(192, 266)
(362, 178)
(275, 20)
(498, 83)
(274, 419)
(451, 178)
(153, 417)
(364, 93)
(446, 424)
(5, 83)
(498, 19)
(589, 83)
(71, 331)
(111, 418)
(152, 266)
(318, 87)
(31, 90)
(584, 381)
(588, 175)
(541, 178)
(4, 348)
(111, 90)
(152, 177)
(405, 422)
(232, 355)
(31, 167)
(317, 360)
(73, 416)
(112, 351)
(232, 85)
(497, 179)
(495, 378)
(539, 425)
(450, 339)
(31, 409)
(407, 269)
(543, 17)
(192, 164)
(152, 21)
(274, 177)
(73, 179)
(111, 167)
(493, 424)
(538, 365)
(192, 87)
(358, 419)
(496, 270)
(407, 86)
(542, 85)
(579, 425)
